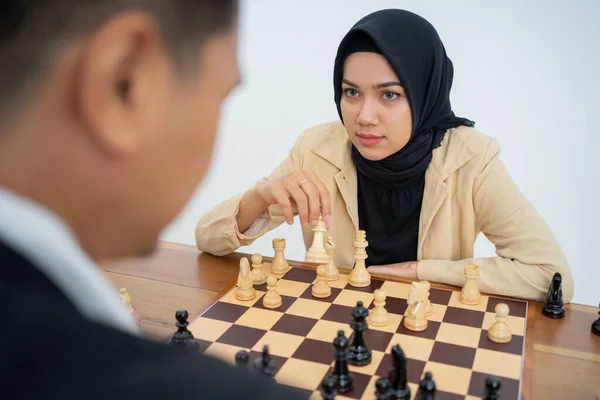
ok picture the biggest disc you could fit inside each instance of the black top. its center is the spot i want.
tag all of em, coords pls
(48, 350)
(390, 191)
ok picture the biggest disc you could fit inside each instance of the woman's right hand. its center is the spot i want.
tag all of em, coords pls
(299, 190)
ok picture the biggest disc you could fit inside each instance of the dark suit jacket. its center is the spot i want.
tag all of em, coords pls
(48, 350)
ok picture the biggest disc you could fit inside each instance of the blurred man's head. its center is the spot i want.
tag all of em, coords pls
(109, 109)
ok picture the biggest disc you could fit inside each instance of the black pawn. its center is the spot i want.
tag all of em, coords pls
(329, 387)
(492, 388)
(265, 364)
(596, 325)
(553, 307)
(426, 388)
(397, 376)
(383, 389)
(242, 358)
(360, 354)
(183, 337)
(340, 369)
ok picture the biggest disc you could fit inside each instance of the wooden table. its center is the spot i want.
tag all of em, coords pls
(562, 356)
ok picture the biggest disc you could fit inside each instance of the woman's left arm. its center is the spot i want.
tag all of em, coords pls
(528, 254)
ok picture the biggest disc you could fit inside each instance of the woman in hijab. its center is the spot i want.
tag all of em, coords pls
(421, 181)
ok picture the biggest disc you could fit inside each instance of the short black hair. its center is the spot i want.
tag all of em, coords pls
(32, 32)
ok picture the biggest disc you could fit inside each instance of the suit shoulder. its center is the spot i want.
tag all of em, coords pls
(323, 132)
(479, 142)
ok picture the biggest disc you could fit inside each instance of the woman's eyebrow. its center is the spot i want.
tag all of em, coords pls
(377, 86)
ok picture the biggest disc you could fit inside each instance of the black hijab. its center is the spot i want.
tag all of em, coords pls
(390, 191)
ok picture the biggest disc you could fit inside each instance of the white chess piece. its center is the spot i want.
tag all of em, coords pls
(333, 272)
(279, 266)
(469, 294)
(499, 332)
(272, 299)
(316, 254)
(379, 315)
(259, 276)
(245, 290)
(360, 277)
(414, 318)
(321, 288)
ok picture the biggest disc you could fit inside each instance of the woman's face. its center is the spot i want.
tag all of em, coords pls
(374, 106)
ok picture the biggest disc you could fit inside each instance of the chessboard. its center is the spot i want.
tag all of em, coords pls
(454, 347)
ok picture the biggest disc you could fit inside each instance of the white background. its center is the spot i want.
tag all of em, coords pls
(526, 72)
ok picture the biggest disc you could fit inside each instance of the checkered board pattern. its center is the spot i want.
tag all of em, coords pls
(300, 334)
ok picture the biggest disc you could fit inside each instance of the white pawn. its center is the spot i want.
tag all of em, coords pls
(321, 289)
(499, 332)
(259, 276)
(379, 315)
(125, 298)
(333, 272)
(245, 290)
(272, 299)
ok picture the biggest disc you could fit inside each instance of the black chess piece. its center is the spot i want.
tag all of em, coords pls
(265, 364)
(360, 354)
(329, 387)
(383, 389)
(553, 307)
(492, 388)
(340, 369)
(596, 325)
(426, 388)
(183, 337)
(242, 358)
(397, 375)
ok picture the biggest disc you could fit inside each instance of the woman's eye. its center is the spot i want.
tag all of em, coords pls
(351, 92)
(391, 95)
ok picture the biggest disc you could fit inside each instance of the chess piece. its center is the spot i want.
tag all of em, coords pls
(428, 306)
(596, 325)
(245, 289)
(499, 332)
(125, 299)
(316, 254)
(414, 318)
(321, 289)
(272, 299)
(359, 352)
(333, 272)
(183, 337)
(553, 307)
(265, 364)
(279, 266)
(383, 389)
(329, 387)
(492, 388)
(259, 276)
(426, 388)
(378, 316)
(398, 377)
(340, 369)
(241, 359)
(469, 294)
(360, 277)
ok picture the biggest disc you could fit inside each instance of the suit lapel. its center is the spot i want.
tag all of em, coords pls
(453, 153)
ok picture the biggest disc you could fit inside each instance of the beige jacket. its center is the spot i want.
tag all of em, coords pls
(467, 191)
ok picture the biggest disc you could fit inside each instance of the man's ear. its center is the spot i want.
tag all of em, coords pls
(122, 78)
